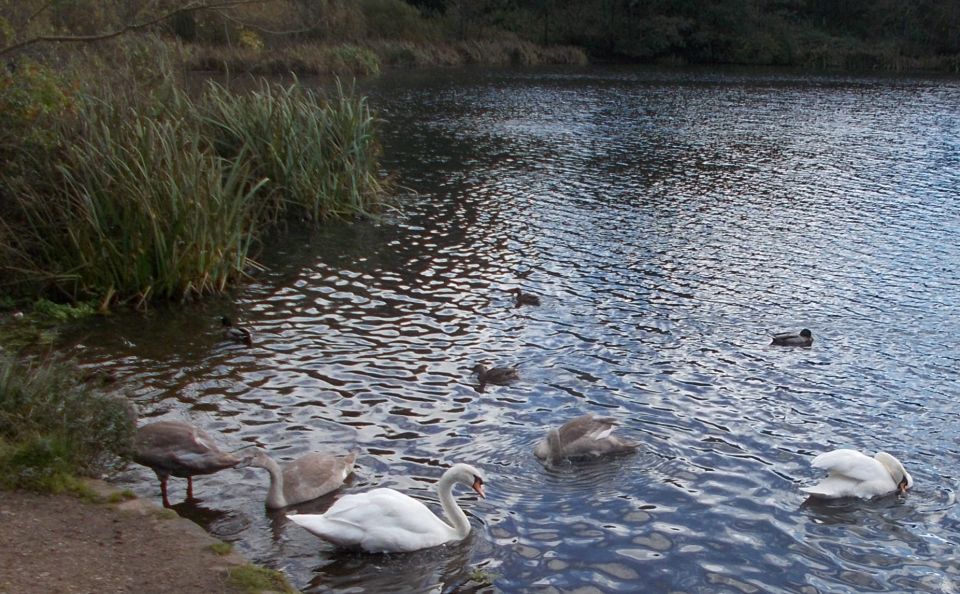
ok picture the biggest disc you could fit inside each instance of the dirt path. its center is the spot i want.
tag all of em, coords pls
(59, 544)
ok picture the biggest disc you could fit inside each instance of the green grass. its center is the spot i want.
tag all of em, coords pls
(253, 579)
(53, 429)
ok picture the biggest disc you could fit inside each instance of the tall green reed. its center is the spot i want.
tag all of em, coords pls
(321, 157)
(139, 208)
(144, 199)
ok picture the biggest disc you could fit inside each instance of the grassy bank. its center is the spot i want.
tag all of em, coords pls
(54, 427)
(136, 190)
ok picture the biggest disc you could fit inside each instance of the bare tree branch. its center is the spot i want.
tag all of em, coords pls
(38, 11)
(190, 7)
(306, 29)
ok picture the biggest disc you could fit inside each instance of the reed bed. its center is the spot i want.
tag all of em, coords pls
(143, 210)
(320, 157)
(147, 200)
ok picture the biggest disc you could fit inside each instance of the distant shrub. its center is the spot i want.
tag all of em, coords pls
(395, 19)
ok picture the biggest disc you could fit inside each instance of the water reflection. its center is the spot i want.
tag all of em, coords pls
(670, 223)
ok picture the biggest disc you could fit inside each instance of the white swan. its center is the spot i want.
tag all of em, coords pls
(387, 521)
(852, 474)
(586, 436)
(306, 478)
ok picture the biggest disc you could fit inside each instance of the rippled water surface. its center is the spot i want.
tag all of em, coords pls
(671, 223)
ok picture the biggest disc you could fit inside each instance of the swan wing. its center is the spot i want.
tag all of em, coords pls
(381, 520)
(592, 436)
(312, 476)
(851, 464)
(834, 487)
(180, 449)
(851, 474)
(586, 427)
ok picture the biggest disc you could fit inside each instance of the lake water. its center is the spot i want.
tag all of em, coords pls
(671, 221)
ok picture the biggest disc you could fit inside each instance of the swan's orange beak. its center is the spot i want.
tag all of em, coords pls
(902, 487)
(478, 486)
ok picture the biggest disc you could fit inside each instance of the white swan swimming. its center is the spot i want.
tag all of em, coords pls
(852, 474)
(306, 478)
(387, 521)
(586, 436)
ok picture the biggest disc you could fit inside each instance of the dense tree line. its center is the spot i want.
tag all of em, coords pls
(852, 33)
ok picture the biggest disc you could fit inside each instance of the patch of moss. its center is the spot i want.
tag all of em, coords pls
(63, 312)
(167, 514)
(121, 496)
(221, 548)
(254, 579)
(482, 577)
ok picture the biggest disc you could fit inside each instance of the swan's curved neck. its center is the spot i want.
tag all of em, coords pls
(461, 526)
(556, 447)
(275, 496)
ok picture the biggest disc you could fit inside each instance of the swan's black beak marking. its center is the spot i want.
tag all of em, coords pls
(478, 486)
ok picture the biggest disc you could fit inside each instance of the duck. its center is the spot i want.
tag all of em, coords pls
(524, 298)
(236, 333)
(803, 338)
(495, 375)
(305, 478)
(854, 474)
(387, 521)
(586, 436)
(175, 448)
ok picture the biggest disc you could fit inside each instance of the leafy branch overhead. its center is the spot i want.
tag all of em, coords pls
(138, 22)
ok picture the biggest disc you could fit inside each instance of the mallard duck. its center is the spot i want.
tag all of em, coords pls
(524, 298)
(308, 477)
(803, 338)
(586, 436)
(387, 521)
(495, 375)
(173, 448)
(852, 474)
(236, 333)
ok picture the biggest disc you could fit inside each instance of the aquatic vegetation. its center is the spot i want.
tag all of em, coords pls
(320, 157)
(162, 196)
(251, 578)
(53, 428)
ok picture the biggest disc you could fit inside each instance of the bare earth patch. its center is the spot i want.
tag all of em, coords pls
(61, 544)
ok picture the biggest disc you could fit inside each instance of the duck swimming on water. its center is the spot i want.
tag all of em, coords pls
(802, 338)
(524, 298)
(236, 333)
(495, 375)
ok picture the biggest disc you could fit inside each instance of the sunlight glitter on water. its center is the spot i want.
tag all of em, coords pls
(670, 222)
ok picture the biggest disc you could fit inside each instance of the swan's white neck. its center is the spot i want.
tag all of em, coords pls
(275, 496)
(452, 511)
